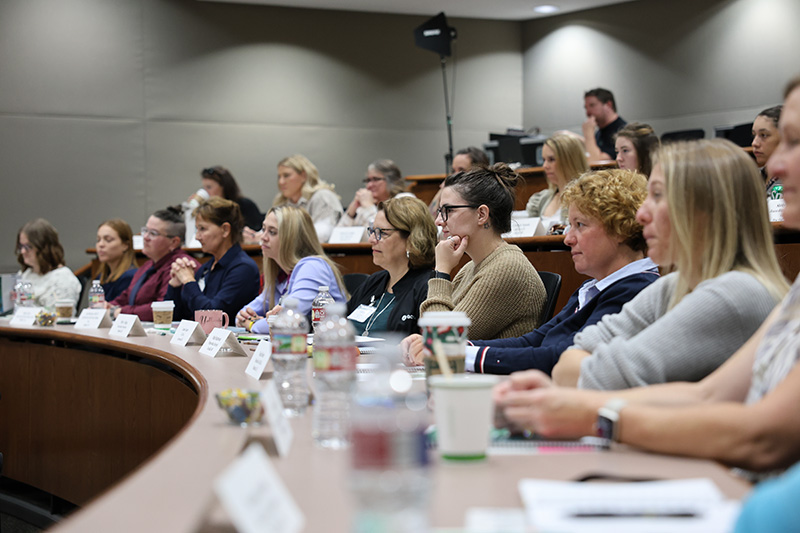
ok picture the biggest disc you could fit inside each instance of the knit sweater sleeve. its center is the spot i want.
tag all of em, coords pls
(645, 343)
(504, 291)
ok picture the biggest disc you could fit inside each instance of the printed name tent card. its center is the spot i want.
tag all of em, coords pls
(93, 319)
(127, 326)
(346, 235)
(25, 316)
(255, 497)
(221, 340)
(281, 429)
(259, 360)
(525, 227)
(187, 332)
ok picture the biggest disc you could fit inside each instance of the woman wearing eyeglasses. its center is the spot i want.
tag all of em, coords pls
(294, 266)
(41, 257)
(219, 182)
(403, 240)
(498, 289)
(229, 279)
(162, 238)
(384, 180)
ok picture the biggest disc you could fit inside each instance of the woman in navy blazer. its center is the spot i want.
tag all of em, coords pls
(229, 279)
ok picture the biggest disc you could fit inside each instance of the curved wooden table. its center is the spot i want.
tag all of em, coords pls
(130, 429)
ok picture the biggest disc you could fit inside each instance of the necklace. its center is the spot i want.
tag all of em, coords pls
(371, 321)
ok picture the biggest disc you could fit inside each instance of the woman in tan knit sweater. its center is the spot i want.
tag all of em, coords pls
(498, 289)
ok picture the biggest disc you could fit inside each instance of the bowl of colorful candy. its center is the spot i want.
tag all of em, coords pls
(244, 407)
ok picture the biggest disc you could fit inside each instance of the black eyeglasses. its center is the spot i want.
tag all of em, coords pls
(367, 181)
(379, 233)
(444, 211)
(27, 248)
(210, 171)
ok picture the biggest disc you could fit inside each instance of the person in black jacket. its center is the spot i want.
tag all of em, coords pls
(403, 240)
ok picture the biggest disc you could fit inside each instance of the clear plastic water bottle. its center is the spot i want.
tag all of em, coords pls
(289, 335)
(15, 288)
(97, 296)
(323, 300)
(25, 294)
(335, 355)
(389, 478)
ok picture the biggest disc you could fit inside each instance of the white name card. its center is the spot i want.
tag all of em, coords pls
(24, 316)
(776, 209)
(281, 429)
(347, 235)
(259, 360)
(127, 326)
(525, 227)
(222, 340)
(255, 497)
(188, 331)
(93, 319)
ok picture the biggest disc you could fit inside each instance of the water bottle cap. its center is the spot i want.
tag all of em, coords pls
(324, 288)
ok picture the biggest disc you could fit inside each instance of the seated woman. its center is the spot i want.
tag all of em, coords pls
(41, 258)
(383, 181)
(162, 238)
(766, 137)
(743, 414)
(117, 258)
(301, 186)
(498, 289)
(607, 244)
(219, 182)
(464, 159)
(635, 144)
(229, 279)
(701, 218)
(403, 240)
(294, 266)
(564, 160)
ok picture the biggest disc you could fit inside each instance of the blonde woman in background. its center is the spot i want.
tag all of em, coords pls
(564, 160)
(300, 186)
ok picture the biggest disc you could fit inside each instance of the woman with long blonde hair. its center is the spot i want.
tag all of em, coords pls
(294, 266)
(564, 160)
(705, 221)
(300, 186)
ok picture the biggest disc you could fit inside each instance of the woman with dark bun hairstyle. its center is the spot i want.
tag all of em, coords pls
(498, 289)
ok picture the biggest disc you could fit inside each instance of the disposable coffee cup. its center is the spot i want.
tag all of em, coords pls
(65, 308)
(450, 329)
(162, 314)
(463, 410)
(202, 193)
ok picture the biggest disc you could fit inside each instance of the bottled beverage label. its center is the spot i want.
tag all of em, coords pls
(374, 449)
(317, 315)
(335, 358)
(288, 343)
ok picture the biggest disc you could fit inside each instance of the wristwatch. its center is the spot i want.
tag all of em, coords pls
(608, 419)
(441, 275)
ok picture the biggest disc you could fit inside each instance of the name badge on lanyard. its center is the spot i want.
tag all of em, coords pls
(363, 312)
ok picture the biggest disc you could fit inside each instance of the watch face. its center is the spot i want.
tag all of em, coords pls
(605, 428)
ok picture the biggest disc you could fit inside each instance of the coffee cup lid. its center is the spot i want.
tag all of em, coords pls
(463, 381)
(444, 318)
(163, 306)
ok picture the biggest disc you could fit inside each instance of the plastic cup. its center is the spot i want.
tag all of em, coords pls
(463, 411)
(162, 314)
(65, 308)
(449, 328)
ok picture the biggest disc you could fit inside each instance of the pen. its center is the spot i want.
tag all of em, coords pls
(635, 514)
